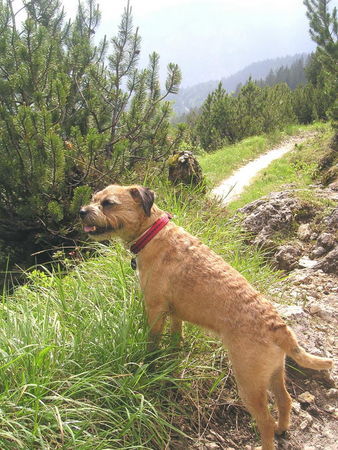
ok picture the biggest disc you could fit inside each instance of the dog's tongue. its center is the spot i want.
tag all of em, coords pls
(87, 229)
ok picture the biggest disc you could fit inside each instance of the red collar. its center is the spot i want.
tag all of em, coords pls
(150, 233)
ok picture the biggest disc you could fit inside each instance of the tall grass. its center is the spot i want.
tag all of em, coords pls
(74, 371)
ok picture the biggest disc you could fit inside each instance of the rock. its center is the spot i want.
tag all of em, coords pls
(317, 252)
(304, 232)
(287, 257)
(269, 214)
(288, 311)
(307, 420)
(314, 308)
(334, 186)
(332, 393)
(332, 220)
(329, 264)
(184, 168)
(306, 397)
(306, 263)
(296, 407)
(326, 240)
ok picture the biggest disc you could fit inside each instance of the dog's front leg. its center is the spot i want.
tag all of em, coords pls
(176, 330)
(156, 317)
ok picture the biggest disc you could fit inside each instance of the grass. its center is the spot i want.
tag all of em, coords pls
(73, 369)
(220, 164)
(297, 168)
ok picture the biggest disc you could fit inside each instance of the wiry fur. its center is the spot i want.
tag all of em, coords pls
(185, 280)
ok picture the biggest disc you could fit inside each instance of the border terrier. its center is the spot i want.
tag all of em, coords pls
(182, 278)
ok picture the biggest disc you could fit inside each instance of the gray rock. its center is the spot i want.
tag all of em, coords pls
(306, 263)
(288, 311)
(269, 214)
(332, 393)
(287, 257)
(329, 264)
(314, 308)
(326, 240)
(304, 232)
(332, 220)
(317, 252)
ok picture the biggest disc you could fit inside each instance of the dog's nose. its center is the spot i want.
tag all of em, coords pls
(82, 212)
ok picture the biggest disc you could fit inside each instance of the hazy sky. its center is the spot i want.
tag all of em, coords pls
(210, 39)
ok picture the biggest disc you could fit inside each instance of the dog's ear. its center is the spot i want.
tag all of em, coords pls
(144, 196)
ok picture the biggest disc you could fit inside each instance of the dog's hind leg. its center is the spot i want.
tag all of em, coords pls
(282, 398)
(253, 375)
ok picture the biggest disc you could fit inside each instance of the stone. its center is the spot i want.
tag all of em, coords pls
(314, 308)
(334, 186)
(332, 220)
(317, 252)
(306, 397)
(269, 214)
(307, 420)
(288, 311)
(306, 263)
(296, 407)
(184, 168)
(329, 264)
(332, 393)
(326, 240)
(304, 232)
(287, 257)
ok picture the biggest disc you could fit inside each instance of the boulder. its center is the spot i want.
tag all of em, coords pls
(329, 263)
(332, 220)
(287, 257)
(326, 240)
(304, 232)
(184, 168)
(269, 214)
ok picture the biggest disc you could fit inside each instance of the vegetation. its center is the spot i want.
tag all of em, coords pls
(73, 349)
(283, 98)
(293, 75)
(221, 163)
(73, 115)
(297, 168)
(323, 73)
(226, 118)
(74, 368)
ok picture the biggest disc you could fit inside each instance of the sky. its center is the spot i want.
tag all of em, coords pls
(211, 39)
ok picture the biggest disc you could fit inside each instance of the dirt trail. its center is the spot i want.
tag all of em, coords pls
(231, 188)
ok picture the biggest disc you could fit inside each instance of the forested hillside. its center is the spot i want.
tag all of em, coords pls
(193, 97)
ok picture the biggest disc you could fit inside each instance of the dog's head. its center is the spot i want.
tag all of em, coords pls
(121, 211)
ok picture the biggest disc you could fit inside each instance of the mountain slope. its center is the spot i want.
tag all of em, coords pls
(192, 97)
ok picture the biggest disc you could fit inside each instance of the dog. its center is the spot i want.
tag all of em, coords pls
(182, 278)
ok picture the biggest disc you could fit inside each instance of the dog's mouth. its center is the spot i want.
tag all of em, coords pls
(93, 230)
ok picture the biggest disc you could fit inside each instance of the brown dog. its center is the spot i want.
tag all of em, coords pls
(185, 280)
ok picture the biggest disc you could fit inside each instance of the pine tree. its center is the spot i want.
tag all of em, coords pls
(74, 114)
(324, 31)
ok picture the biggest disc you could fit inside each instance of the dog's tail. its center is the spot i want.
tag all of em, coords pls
(287, 341)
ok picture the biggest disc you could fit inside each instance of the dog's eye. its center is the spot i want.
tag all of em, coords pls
(108, 202)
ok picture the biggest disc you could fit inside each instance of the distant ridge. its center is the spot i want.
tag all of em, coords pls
(193, 97)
